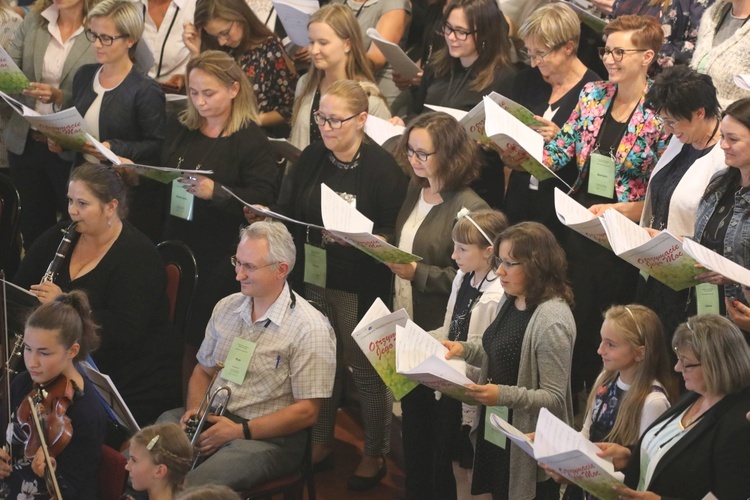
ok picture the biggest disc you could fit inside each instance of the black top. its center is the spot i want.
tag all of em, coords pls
(666, 180)
(314, 129)
(502, 342)
(467, 296)
(524, 204)
(127, 292)
(379, 187)
(454, 89)
(243, 162)
(77, 465)
(132, 116)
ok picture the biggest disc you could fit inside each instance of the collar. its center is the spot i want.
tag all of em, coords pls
(275, 314)
(52, 14)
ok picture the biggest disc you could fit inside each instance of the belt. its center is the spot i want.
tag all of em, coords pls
(37, 136)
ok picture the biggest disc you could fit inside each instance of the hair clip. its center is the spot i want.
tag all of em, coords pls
(152, 443)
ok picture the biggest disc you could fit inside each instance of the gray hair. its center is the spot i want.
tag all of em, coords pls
(552, 25)
(280, 243)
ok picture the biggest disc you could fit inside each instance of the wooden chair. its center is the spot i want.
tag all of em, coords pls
(112, 474)
(292, 486)
(10, 213)
(182, 277)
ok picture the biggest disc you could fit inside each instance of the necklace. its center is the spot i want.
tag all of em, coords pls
(345, 165)
(199, 165)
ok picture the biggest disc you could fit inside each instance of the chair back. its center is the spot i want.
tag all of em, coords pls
(182, 278)
(112, 474)
(10, 213)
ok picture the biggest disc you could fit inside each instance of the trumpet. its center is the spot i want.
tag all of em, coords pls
(211, 404)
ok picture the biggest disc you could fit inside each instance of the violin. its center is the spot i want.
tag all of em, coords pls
(42, 418)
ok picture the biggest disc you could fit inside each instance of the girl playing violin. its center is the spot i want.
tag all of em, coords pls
(57, 336)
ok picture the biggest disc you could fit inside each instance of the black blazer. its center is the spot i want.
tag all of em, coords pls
(713, 457)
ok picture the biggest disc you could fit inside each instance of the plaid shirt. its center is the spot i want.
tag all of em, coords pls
(294, 358)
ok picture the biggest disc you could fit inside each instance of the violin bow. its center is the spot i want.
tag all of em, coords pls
(49, 472)
(5, 359)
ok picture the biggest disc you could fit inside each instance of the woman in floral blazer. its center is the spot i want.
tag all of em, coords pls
(611, 120)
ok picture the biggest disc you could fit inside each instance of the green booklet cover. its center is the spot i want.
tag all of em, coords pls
(12, 79)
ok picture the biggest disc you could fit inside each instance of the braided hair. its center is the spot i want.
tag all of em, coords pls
(167, 444)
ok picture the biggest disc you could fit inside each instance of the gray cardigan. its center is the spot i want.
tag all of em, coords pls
(543, 382)
(433, 280)
(27, 51)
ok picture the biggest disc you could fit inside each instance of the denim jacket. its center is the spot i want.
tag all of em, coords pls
(737, 238)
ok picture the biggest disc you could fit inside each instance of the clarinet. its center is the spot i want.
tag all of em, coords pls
(60, 254)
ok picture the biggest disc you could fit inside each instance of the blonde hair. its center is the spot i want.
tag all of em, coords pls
(639, 327)
(341, 20)
(41, 5)
(492, 222)
(354, 94)
(126, 16)
(720, 348)
(221, 66)
(167, 444)
(552, 25)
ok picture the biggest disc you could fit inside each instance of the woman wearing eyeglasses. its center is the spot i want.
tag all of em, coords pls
(231, 25)
(525, 358)
(49, 47)
(442, 161)
(615, 141)
(337, 54)
(699, 446)
(550, 89)
(368, 178)
(122, 107)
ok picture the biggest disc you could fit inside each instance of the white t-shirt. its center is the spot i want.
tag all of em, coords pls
(91, 118)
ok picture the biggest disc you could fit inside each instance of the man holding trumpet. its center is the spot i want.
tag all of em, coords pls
(279, 357)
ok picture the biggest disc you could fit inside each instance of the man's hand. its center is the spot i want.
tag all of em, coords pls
(221, 432)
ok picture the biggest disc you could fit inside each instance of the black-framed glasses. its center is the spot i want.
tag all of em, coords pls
(105, 40)
(461, 35)
(537, 58)
(334, 123)
(247, 268)
(222, 35)
(421, 155)
(617, 53)
(687, 366)
(505, 264)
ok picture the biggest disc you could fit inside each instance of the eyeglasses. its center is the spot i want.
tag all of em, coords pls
(224, 35)
(334, 123)
(505, 264)
(105, 40)
(461, 35)
(617, 53)
(668, 123)
(686, 367)
(421, 155)
(537, 58)
(247, 268)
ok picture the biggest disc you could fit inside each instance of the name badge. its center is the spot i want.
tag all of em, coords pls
(491, 434)
(707, 298)
(602, 176)
(238, 360)
(315, 265)
(181, 204)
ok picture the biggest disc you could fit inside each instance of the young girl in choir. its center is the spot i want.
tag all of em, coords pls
(160, 458)
(472, 306)
(636, 385)
(57, 335)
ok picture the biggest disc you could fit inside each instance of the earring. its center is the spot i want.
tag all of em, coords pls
(109, 222)
(483, 44)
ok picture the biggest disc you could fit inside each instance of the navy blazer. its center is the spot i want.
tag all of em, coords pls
(714, 456)
(133, 115)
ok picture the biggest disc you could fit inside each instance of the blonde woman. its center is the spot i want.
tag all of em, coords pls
(337, 54)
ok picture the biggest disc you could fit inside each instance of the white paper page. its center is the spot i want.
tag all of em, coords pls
(108, 391)
(414, 345)
(453, 370)
(378, 309)
(570, 211)
(553, 436)
(18, 106)
(295, 15)
(742, 81)
(339, 215)
(175, 97)
(518, 437)
(455, 113)
(267, 212)
(381, 130)
(500, 122)
(716, 262)
(623, 233)
(399, 61)
(108, 154)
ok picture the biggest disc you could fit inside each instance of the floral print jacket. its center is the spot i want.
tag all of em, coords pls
(644, 141)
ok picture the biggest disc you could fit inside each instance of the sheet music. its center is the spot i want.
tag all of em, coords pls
(269, 213)
(716, 262)
(518, 437)
(397, 58)
(295, 15)
(623, 233)
(414, 346)
(111, 396)
(455, 113)
(380, 130)
(339, 215)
